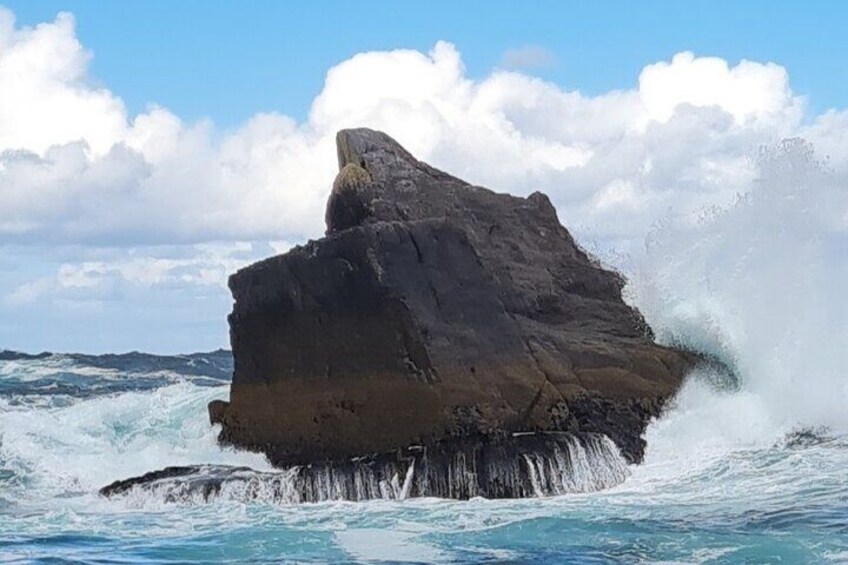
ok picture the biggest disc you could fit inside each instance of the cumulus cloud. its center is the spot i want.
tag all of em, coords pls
(45, 98)
(114, 271)
(748, 91)
(77, 169)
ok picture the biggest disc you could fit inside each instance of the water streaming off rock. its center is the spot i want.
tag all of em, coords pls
(530, 465)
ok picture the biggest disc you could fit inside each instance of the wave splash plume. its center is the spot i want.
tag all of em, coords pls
(760, 285)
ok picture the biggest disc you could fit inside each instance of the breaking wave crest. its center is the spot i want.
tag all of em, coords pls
(61, 445)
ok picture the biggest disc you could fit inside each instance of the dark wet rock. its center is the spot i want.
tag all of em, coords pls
(124, 485)
(524, 465)
(434, 310)
(806, 437)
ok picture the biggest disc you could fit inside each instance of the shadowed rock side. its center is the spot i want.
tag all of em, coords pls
(433, 312)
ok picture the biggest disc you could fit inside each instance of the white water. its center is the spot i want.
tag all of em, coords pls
(78, 446)
(762, 285)
(577, 468)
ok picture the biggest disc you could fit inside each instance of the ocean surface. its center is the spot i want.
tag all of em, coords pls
(714, 488)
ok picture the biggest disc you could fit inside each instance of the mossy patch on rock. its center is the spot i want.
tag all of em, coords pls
(351, 175)
(347, 207)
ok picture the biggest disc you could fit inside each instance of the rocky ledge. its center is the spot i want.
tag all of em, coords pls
(434, 313)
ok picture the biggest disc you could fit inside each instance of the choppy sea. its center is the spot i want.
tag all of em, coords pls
(710, 491)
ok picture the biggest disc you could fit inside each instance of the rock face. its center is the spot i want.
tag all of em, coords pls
(433, 312)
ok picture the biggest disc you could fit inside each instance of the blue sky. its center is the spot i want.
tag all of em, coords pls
(228, 60)
(148, 149)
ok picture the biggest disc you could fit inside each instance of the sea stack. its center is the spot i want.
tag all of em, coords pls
(434, 315)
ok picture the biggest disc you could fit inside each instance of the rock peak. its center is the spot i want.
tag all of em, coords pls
(358, 146)
(376, 176)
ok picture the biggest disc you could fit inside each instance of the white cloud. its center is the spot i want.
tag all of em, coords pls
(92, 280)
(45, 98)
(28, 292)
(77, 168)
(748, 91)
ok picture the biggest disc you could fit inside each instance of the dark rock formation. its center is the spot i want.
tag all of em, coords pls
(433, 311)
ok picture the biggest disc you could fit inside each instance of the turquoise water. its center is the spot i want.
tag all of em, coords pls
(722, 482)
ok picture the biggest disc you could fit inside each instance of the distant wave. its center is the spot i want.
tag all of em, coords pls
(83, 375)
